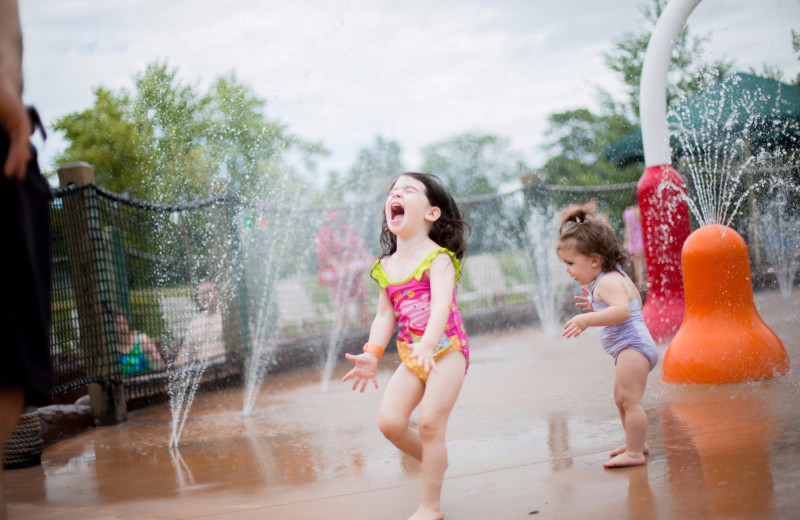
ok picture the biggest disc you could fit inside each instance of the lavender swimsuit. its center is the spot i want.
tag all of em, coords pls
(631, 333)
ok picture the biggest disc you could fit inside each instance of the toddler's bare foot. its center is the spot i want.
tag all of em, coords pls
(624, 459)
(426, 513)
(622, 449)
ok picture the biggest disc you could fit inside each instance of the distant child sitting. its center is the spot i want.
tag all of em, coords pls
(423, 239)
(136, 351)
(593, 254)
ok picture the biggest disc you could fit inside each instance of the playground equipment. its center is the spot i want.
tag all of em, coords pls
(661, 190)
(722, 338)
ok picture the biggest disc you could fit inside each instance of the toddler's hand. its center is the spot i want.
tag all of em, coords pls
(424, 357)
(574, 327)
(583, 301)
(365, 369)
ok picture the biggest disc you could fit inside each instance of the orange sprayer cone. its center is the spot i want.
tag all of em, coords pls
(722, 338)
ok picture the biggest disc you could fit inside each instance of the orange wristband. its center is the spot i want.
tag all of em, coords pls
(373, 348)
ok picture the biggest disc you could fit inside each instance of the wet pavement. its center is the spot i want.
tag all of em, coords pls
(527, 439)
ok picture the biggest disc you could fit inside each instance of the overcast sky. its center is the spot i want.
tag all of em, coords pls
(344, 71)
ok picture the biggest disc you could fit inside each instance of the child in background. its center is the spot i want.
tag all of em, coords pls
(343, 258)
(136, 351)
(423, 241)
(593, 254)
(634, 241)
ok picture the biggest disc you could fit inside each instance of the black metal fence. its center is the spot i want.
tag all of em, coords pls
(127, 273)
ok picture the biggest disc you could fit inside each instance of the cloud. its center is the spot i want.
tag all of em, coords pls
(345, 71)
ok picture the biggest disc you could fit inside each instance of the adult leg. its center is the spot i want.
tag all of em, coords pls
(440, 396)
(402, 395)
(629, 384)
(12, 401)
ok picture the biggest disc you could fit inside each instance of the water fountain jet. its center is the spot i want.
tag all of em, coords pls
(548, 278)
(778, 228)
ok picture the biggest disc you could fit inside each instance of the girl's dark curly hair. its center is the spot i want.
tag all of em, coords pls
(582, 229)
(449, 231)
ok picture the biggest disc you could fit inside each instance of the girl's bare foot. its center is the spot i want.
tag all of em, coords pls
(426, 513)
(623, 460)
(622, 449)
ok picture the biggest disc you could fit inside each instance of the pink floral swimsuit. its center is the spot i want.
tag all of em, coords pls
(411, 299)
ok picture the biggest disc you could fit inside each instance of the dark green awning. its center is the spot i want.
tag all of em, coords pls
(765, 111)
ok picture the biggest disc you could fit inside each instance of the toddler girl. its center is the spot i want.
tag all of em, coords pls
(593, 254)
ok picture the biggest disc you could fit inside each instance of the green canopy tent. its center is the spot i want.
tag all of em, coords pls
(765, 111)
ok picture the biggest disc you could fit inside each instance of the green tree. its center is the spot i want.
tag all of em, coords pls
(374, 168)
(105, 137)
(174, 115)
(579, 137)
(168, 141)
(252, 150)
(796, 48)
(686, 74)
(772, 71)
(473, 164)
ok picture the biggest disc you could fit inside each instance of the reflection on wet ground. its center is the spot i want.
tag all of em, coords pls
(527, 439)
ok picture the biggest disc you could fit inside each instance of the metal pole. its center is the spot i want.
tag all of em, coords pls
(661, 190)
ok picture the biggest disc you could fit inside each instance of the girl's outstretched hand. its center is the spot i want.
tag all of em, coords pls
(423, 356)
(583, 301)
(365, 369)
(575, 326)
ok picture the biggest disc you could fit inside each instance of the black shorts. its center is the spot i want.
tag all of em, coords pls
(25, 282)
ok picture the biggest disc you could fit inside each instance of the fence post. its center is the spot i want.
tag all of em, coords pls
(92, 286)
(237, 320)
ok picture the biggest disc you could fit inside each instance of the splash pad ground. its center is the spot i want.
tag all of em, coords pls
(527, 439)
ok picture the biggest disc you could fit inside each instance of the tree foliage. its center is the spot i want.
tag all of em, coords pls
(168, 141)
(374, 168)
(796, 49)
(105, 137)
(773, 72)
(579, 137)
(472, 164)
(686, 75)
